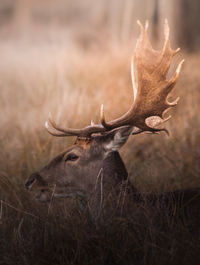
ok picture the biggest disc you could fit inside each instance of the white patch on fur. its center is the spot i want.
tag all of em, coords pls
(119, 140)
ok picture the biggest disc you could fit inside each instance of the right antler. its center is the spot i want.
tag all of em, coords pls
(150, 86)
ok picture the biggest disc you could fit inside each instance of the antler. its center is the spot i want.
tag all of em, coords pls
(150, 85)
(57, 130)
(150, 89)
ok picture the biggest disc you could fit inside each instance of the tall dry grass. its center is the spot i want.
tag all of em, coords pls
(72, 83)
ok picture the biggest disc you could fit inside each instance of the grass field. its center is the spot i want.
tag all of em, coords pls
(72, 83)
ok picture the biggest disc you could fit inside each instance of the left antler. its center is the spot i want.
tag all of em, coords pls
(150, 85)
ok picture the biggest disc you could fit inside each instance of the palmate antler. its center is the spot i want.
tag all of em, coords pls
(150, 87)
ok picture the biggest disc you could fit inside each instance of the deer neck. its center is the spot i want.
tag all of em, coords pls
(115, 171)
(113, 165)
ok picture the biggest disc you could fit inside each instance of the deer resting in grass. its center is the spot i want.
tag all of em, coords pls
(92, 165)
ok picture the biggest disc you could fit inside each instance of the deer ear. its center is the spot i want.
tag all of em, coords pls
(117, 138)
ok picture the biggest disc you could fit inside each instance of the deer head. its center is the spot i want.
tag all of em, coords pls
(93, 161)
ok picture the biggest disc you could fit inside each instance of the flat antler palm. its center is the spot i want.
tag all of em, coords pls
(150, 85)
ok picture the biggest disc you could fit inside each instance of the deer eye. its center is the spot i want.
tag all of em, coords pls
(71, 157)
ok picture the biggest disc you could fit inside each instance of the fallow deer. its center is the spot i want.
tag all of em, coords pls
(92, 165)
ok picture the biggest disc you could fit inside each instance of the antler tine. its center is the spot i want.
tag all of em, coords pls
(177, 73)
(150, 85)
(52, 131)
(56, 130)
(67, 132)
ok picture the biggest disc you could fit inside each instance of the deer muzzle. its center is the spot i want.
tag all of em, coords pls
(35, 180)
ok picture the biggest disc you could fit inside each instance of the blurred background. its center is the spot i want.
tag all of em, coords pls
(68, 57)
(87, 22)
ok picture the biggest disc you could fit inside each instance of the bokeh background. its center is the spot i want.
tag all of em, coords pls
(68, 57)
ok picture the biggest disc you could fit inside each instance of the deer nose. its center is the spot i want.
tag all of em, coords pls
(29, 182)
(35, 178)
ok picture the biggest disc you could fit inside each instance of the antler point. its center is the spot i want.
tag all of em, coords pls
(46, 124)
(166, 119)
(180, 66)
(146, 25)
(141, 27)
(166, 30)
(102, 108)
(102, 113)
